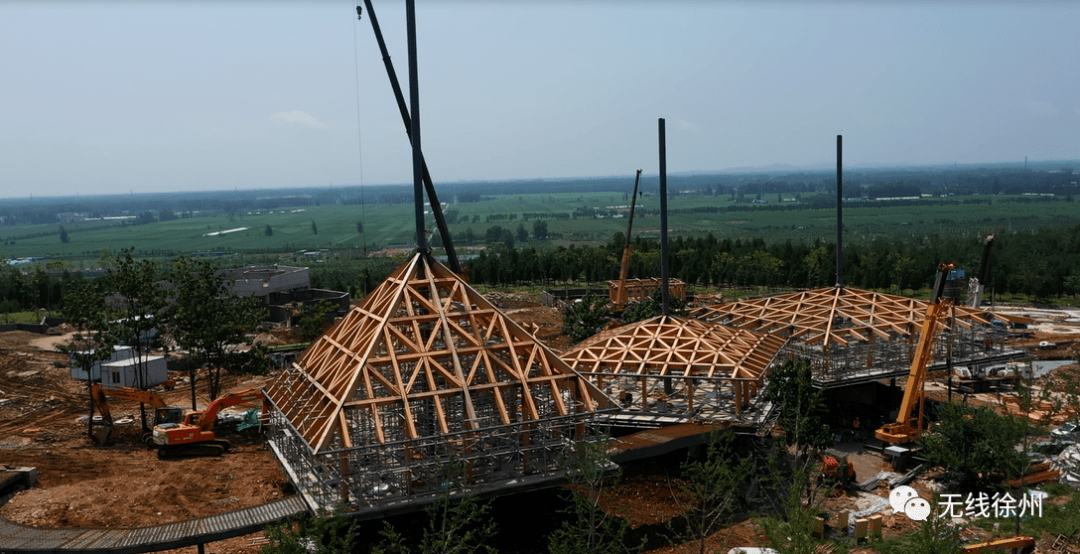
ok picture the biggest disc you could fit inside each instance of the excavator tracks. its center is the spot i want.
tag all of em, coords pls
(209, 448)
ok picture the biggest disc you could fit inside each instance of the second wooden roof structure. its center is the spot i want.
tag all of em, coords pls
(694, 353)
(837, 319)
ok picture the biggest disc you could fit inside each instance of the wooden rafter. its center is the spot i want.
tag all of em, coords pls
(420, 339)
(676, 346)
(834, 315)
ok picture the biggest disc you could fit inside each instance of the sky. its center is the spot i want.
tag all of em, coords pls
(153, 96)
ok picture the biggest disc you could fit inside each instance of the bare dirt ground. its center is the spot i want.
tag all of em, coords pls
(125, 485)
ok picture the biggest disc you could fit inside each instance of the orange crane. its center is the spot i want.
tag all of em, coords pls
(194, 436)
(624, 269)
(909, 420)
(162, 413)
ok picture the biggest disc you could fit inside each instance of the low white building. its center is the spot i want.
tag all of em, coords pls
(119, 353)
(122, 368)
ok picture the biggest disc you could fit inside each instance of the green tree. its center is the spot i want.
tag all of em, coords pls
(540, 230)
(818, 263)
(711, 488)
(332, 533)
(209, 321)
(140, 305)
(759, 268)
(359, 227)
(585, 318)
(85, 309)
(63, 235)
(791, 530)
(936, 535)
(315, 319)
(521, 234)
(977, 442)
(269, 231)
(455, 525)
(587, 528)
(802, 407)
(652, 307)
(314, 228)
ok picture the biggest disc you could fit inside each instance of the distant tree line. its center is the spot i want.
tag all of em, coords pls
(545, 215)
(1043, 264)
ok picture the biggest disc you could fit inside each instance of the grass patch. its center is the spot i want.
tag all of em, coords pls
(32, 317)
(1057, 519)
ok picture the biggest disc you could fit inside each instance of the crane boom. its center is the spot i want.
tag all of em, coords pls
(100, 395)
(624, 268)
(909, 420)
(436, 206)
(978, 285)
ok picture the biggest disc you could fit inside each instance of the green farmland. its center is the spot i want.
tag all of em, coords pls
(597, 219)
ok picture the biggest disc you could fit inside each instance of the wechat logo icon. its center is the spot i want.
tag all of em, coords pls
(905, 500)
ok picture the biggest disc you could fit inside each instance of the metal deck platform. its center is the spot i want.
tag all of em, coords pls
(935, 367)
(16, 538)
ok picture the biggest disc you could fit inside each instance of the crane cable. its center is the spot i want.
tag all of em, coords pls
(360, 139)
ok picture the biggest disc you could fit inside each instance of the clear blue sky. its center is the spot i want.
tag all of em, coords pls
(177, 96)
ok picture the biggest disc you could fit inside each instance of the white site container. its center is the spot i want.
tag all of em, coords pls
(123, 372)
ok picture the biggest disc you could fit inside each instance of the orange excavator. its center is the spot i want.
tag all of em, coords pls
(909, 420)
(162, 413)
(194, 435)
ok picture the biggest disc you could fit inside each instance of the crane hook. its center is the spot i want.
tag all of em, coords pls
(358, 14)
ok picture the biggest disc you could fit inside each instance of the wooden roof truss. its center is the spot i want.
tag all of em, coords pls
(425, 370)
(422, 338)
(679, 365)
(846, 329)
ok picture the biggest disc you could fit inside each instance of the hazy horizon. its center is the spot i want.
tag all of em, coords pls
(144, 97)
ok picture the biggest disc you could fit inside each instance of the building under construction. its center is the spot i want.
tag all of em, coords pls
(666, 370)
(853, 335)
(424, 385)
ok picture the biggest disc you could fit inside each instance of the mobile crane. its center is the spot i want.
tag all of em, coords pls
(977, 284)
(619, 294)
(194, 435)
(162, 413)
(909, 420)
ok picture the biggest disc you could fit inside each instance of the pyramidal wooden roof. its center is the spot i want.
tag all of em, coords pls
(833, 315)
(424, 345)
(665, 345)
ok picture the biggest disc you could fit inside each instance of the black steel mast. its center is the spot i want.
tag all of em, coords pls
(436, 207)
(839, 211)
(414, 134)
(664, 270)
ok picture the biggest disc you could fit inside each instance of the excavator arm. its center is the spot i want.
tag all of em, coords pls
(205, 420)
(909, 420)
(101, 395)
(195, 435)
(138, 395)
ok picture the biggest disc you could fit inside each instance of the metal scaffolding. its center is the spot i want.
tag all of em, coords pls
(853, 335)
(423, 380)
(679, 368)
